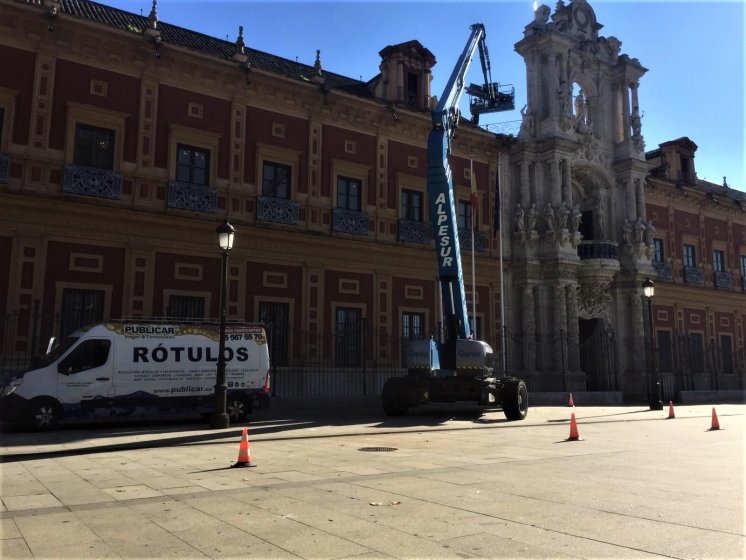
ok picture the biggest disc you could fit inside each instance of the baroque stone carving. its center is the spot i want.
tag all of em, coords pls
(593, 299)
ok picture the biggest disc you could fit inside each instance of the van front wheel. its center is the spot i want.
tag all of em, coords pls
(42, 414)
(237, 408)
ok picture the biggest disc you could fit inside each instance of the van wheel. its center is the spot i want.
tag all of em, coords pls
(237, 408)
(42, 414)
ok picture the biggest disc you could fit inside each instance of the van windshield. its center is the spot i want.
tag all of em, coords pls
(60, 348)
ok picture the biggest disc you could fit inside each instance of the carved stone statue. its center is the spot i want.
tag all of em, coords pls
(562, 214)
(628, 234)
(531, 218)
(518, 218)
(601, 219)
(575, 219)
(541, 16)
(636, 122)
(649, 233)
(581, 112)
(527, 123)
(639, 231)
(550, 218)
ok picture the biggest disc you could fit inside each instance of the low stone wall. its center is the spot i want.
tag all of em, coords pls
(705, 397)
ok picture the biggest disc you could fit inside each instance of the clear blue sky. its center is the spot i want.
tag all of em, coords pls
(694, 53)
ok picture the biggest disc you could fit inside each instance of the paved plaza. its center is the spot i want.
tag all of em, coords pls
(437, 483)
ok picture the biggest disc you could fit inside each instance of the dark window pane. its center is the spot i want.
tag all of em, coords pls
(348, 337)
(192, 165)
(80, 308)
(88, 355)
(186, 307)
(276, 180)
(275, 316)
(94, 147)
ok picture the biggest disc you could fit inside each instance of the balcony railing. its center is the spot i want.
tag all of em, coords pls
(415, 232)
(349, 221)
(92, 181)
(598, 250)
(723, 280)
(277, 210)
(198, 198)
(464, 239)
(664, 270)
(4, 166)
(694, 275)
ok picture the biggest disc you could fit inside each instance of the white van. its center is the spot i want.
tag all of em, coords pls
(127, 368)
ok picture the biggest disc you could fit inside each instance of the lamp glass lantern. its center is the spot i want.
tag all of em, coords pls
(648, 288)
(225, 233)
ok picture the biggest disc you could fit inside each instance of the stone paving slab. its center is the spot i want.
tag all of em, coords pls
(462, 486)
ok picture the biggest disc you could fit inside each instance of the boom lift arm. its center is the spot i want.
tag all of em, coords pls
(440, 186)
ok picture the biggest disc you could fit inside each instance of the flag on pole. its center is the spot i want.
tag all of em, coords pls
(474, 200)
(497, 203)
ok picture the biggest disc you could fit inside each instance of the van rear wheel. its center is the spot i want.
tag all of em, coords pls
(237, 408)
(42, 414)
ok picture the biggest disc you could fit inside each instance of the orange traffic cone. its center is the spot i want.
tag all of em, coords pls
(574, 436)
(670, 410)
(570, 403)
(715, 423)
(244, 451)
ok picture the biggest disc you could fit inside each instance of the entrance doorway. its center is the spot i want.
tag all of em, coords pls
(597, 354)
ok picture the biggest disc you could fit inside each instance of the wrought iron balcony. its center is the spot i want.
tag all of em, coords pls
(349, 221)
(415, 232)
(464, 239)
(664, 270)
(598, 250)
(4, 166)
(723, 280)
(92, 181)
(277, 210)
(693, 275)
(198, 198)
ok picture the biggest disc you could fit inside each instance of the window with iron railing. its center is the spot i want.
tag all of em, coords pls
(718, 260)
(276, 180)
(94, 147)
(349, 193)
(186, 307)
(658, 254)
(690, 258)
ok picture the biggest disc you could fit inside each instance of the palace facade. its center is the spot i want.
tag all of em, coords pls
(125, 142)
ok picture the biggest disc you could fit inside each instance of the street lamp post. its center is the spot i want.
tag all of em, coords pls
(220, 417)
(648, 289)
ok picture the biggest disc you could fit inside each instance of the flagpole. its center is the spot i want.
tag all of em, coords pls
(502, 277)
(473, 267)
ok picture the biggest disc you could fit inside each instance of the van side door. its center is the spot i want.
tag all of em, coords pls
(86, 375)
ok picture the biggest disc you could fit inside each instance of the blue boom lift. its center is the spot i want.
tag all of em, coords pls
(460, 368)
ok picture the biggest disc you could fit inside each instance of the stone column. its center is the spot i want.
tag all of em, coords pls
(630, 198)
(560, 330)
(525, 185)
(635, 105)
(626, 111)
(566, 182)
(555, 182)
(529, 330)
(636, 385)
(640, 198)
(571, 295)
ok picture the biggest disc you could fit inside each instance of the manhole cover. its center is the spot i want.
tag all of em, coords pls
(377, 449)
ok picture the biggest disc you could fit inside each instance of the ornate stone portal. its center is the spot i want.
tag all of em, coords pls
(579, 208)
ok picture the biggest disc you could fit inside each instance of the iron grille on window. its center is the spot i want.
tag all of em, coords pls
(348, 337)
(275, 316)
(80, 307)
(186, 307)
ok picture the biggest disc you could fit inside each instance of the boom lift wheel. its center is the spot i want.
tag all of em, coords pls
(514, 396)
